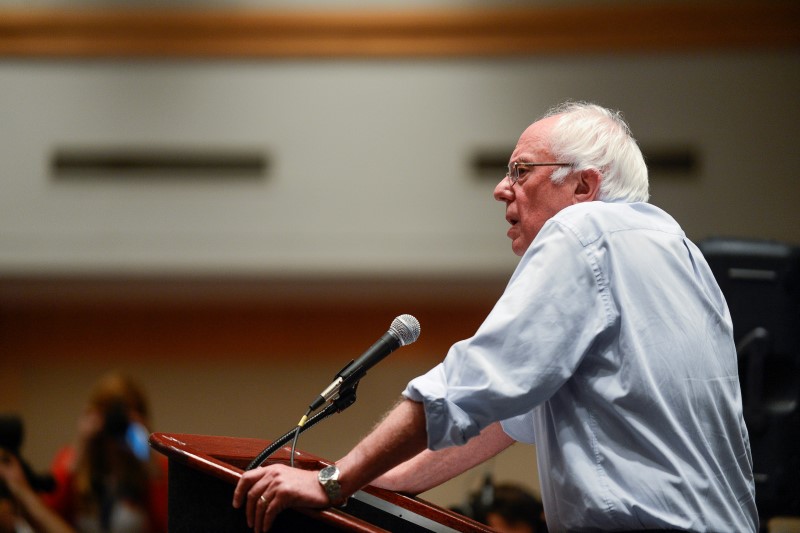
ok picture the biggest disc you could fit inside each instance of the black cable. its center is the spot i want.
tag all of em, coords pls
(276, 445)
(345, 399)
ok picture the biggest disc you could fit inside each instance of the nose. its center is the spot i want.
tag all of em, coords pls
(504, 191)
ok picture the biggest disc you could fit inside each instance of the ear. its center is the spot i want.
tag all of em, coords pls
(587, 185)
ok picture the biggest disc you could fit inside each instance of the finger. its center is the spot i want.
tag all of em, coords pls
(251, 507)
(254, 495)
(268, 500)
(260, 511)
(270, 513)
(268, 503)
(242, 487)
(245, 485)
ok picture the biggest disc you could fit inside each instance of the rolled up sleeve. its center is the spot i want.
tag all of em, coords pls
(528, 346)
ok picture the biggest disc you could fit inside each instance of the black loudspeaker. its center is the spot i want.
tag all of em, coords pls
(761, 284)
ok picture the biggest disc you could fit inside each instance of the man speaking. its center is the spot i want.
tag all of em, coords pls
(611, 349)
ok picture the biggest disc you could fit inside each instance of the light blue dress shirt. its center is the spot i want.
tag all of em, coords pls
(611, 349)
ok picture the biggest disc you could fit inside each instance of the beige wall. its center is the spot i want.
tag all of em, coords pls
(371, 160)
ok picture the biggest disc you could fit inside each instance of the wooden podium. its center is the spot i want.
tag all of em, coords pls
(203, 471)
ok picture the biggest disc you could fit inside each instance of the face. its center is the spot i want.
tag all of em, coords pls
(534, 199)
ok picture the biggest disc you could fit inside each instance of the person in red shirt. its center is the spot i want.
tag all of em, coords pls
(108, 480)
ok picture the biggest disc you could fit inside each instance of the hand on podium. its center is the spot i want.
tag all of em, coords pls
(267, 490)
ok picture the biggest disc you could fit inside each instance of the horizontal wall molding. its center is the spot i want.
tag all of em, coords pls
(241, 33)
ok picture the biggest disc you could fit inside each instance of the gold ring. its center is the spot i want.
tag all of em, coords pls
(262, 498)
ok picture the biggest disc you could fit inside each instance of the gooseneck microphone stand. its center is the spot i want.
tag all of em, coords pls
(345, 399)
(404, 330)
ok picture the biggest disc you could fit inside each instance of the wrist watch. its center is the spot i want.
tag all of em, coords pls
(329, 479)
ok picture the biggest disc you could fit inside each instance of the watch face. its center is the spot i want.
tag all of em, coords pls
(328, 473)
(329, 479)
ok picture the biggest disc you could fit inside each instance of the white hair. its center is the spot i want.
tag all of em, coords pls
(591, 136)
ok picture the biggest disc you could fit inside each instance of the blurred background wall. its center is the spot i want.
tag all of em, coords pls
(231, 221)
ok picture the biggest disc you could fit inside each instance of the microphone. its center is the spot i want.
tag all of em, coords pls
(405, 329)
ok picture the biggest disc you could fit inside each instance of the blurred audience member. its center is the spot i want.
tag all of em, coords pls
(506, 508)
(514, 510)
(108, 481)
(21, 508)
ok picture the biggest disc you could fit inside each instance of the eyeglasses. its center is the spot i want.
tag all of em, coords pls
(513, 169)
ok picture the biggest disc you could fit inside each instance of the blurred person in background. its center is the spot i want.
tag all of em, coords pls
(22, 509)
(505, 507)
(108, 481)
(513, 509)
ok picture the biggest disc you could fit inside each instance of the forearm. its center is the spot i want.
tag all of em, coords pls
(400, 436)
(35, 511)
(266, 491)
(38, 515)
(429, 469)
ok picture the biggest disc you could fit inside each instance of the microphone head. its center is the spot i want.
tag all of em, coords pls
(406, 328)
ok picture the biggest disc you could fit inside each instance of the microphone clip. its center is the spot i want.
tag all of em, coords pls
(337, 392)
(345, 398)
